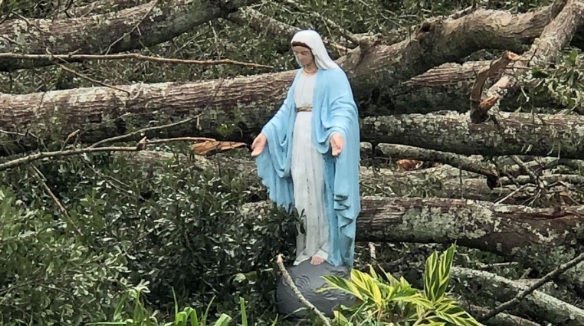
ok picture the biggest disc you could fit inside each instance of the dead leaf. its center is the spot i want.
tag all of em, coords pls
(209, 147)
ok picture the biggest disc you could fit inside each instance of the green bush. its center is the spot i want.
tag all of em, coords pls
(49, 276)
(385, 300)
(167, 223)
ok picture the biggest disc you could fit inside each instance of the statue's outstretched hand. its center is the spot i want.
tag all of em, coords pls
(258, 145)
(337, 144)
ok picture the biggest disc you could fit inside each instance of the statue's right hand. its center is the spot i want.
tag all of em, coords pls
(258, 145)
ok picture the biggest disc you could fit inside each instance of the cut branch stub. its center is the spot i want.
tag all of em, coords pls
(480, 106)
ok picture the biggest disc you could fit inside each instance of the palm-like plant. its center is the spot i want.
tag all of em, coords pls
(388, 301)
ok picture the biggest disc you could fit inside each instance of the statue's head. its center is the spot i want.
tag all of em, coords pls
(309, 48)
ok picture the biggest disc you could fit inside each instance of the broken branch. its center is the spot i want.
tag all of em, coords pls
(125, 56)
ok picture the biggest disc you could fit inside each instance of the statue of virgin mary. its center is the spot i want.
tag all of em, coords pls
(308, 155)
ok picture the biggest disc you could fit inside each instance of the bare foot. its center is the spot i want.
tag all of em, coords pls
(316, 260)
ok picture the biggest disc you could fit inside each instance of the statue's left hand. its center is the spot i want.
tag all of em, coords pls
(337, 144)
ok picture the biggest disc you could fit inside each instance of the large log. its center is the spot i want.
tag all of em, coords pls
(255, 98)
(516, 232)
(516, 133)
(132, 28)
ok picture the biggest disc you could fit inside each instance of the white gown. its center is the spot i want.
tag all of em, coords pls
(308, 178)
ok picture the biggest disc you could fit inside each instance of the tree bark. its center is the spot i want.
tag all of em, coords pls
(132, 28)
(516, 232)
(517, 133)
(538, 305)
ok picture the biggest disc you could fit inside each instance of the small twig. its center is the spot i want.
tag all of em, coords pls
(280, 262)
(520, 296)
(372, 253)
(80, 75)
(154, 4)
(125, 56)
(511, 194)
(525, 273)
(179, 139)
(42, 180)
(488, 266)
(140, 131)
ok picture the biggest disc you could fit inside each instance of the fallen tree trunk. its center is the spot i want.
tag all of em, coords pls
(517, 133)
(516, 232)
(440, 41)
(132, 28)
(538, 305)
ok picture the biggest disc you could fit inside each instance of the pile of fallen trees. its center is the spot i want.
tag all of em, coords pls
(503, 182)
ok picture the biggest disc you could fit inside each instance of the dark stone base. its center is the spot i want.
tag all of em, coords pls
(308, 278)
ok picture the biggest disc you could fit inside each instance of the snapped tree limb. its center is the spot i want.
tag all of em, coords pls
(125, 56)
(544, 50)
(132, 28)
(462, 162)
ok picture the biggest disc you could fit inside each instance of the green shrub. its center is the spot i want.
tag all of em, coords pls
(165, 223)
(385, 300)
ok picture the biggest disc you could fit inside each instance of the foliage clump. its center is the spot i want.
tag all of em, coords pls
(167, 224)
(384, 300)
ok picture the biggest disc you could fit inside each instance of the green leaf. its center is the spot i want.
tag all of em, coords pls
(437, 273)
(243, 312)
(450, 311)
(342, 285)
(223, 320)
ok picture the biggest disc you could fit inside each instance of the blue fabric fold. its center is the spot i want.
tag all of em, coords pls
(334, 111)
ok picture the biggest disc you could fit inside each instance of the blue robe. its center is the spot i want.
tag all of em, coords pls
(334, 110)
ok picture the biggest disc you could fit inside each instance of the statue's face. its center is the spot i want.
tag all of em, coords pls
(303, 55)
